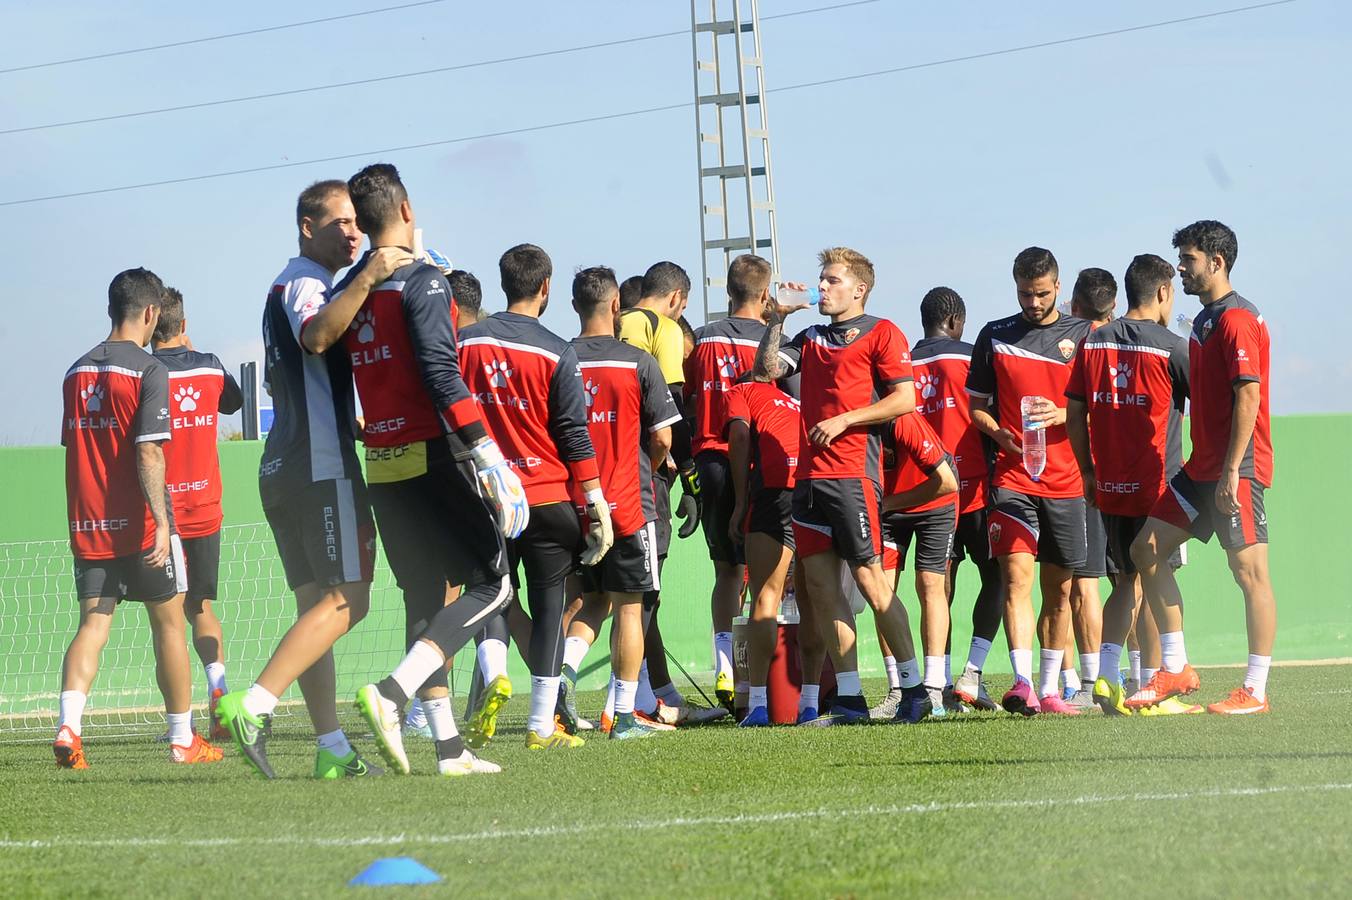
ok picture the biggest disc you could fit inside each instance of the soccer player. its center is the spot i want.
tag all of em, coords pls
(115, 417)
(200, 391)
(528, 385)
(1220, 488)
(1125, 399)
(629, 412)
(940, 361)
(1031, 520)
(856, 378)
(468, 295)
(724, 350)
(310, 481)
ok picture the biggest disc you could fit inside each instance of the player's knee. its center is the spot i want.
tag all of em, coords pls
(1249, 573)
(1144, 552)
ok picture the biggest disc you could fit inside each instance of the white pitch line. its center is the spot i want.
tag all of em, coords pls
(907, 809)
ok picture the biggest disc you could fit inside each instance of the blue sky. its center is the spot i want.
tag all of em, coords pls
(1096, 149)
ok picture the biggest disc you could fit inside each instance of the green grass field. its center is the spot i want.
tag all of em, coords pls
(978, 805)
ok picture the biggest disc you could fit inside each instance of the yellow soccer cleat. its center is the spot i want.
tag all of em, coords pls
(1111, 697)
(484, 723)
(559, 740)
(725, 690)
(1173, 706)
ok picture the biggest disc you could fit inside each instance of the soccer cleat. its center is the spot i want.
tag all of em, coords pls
(1241, 702)
(916, 703)
(330, 766)
(559, 740)
(199, 751)
(69, 749)
(484, 723)
(970, 688)
(630, 727)
(1021, 699)
(420, 731)
(1173, 706)
(218, 731)
(725, 690)
(952, 703)
(585, 725)
(887, 707)
(1163, 685)
(936, 701)
(670, 715)
(565, 708)
(840, 714)
(466, 764)
(1111, 698)
(1130, 685)
(1081, 700)
(1067, 692)
(383, 717)
(702, 715)
(607, 722)
(250, 732)
(1052, 704)
(652, 721)
(759, 717)
(806, 715)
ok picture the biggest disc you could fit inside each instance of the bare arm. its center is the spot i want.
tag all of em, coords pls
(739, 464)
(986, 424)
(326, 327)
(659, 445)
(150, 471)
(1077, 429)
(1244, 417)
(899, 401)
(940, 482)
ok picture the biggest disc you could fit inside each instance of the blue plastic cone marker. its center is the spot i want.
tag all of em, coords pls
(395, 870)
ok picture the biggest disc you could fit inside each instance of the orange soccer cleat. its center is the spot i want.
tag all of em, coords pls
(1241, 702)
(1163, 685)
(69, 750)
(199, 751)
(218, 731)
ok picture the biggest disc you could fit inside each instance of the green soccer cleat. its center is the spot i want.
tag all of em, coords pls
(566, 708)
(1111, 697)
(725, 690)
(484, 723)
(558, 740)
(330, 766)
(383, 717)
(628, 727)
(250, 732)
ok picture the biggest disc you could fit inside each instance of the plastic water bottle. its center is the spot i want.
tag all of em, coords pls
(792, 297)
(1034, 440)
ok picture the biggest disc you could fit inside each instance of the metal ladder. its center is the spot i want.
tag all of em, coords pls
(732, 140)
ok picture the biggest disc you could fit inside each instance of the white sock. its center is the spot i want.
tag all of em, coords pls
(417, 666)
(416, 717)
(610, 697)
(908, 672)
(847, 684)
(934, 672)
(492, 654)
(948, 668)
(1022, 661)
(760, 696)
(723, 652)
(1256, 678)
(216, 678)
(180, 728)
(625, 692)
(336, 743)
(574, 651)
(1072, 679)
(544, 695)
(893, 680)
(645, 701)
(1110, 660)
(258, 702)
(72, 711)
(977, 653)
(808, 696)
(1089, 666)
(1134, 663)
(668, 694)
(1175, 657)
(440, 719)
(1051, 670)
(1147, 674)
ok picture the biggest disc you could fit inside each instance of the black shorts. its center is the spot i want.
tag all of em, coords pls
(1097, 563)
(839, 514)
(662, 507)
(771, 513)
(970, 540)
(1121, 531)
(131, 577)
(203, 557)
(1050, 528)
(1191, 506)
(325, 534)
(630, 567)
(933, 532)
(549, 547)
(717, 500)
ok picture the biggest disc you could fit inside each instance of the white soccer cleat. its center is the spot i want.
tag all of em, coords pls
(466, 764)
(383, 717)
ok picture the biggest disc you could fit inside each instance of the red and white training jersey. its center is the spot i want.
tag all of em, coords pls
(776, 424)
(912, 452)
(724, 351)
(113, 398)
(941, 366)
(200, 391)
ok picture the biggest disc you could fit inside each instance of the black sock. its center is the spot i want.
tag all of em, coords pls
(451, 748)
(855, 702)
(390, 690)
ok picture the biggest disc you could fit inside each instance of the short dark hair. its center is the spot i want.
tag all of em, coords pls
(687, 330)
(941, 303)
(1144, 277)
(310, 203)
(1212, 238)
(1034, 262)
(170, 324)
(748, 277)
(1095, 293)
(662, 278)
(377, 194)
(466, 290)
(631, 291)
(132, 291)
(591, 288)
(524, 269)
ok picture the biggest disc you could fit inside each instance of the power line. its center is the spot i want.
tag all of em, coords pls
(634, 112)
(382, 78)
(215, 37)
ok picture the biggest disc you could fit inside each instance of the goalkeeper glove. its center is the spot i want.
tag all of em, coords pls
(600, 532)
(502, 486)
(688, 509)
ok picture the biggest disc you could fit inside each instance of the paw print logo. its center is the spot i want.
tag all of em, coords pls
(727, 366)
(187, 398)
(589, 392)
(365, 326)
(929, 386)
(92, 395)
(498, 373)
(1121, 375)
